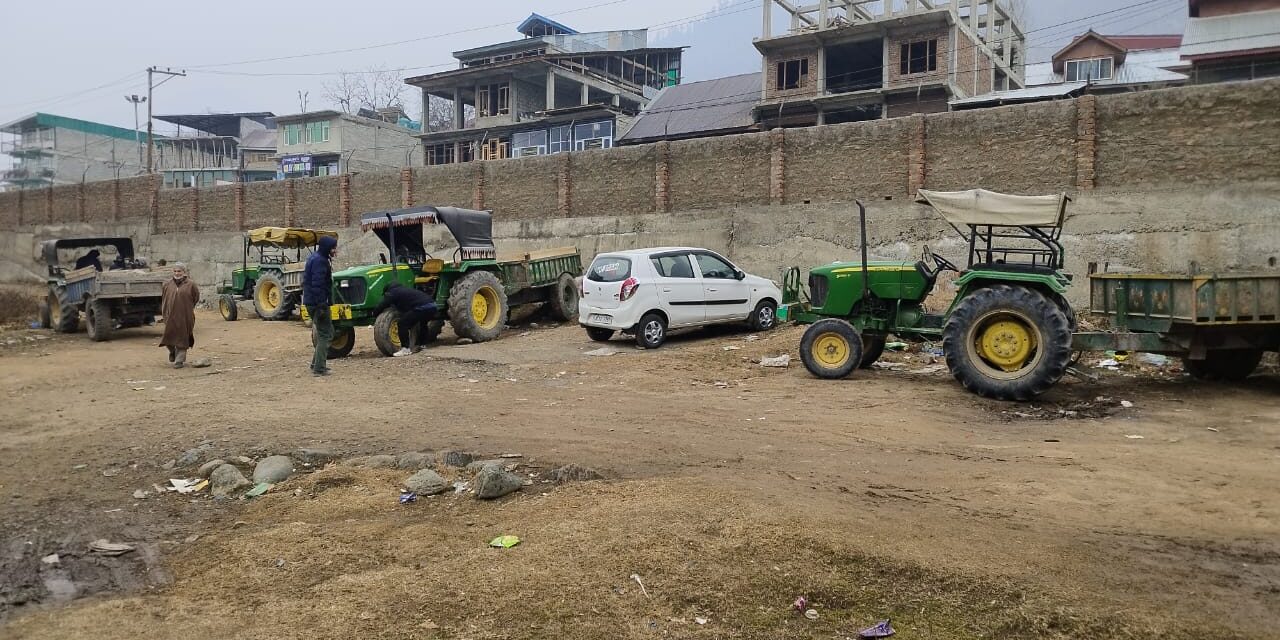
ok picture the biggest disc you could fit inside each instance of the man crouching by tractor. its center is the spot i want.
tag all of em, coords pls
(415, 308)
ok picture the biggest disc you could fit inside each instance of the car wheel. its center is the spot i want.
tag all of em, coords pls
(651, 331)
(765, 316)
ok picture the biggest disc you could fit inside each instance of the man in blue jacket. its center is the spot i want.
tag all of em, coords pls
(317, 284)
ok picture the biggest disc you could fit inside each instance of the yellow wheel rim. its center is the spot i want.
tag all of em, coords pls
(224, 306)
(1006, 341)
(831, 350)
(393, 330)
(339, 341)
(484, 307)
(269, 296)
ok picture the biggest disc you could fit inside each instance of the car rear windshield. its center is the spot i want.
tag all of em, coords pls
(609, 269)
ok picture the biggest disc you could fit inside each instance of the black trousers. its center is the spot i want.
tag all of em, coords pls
(410, 321)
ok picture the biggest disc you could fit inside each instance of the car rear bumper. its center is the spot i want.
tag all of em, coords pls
(616, 319)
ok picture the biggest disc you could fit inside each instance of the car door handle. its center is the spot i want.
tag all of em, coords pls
(712, 290)
(666, 289)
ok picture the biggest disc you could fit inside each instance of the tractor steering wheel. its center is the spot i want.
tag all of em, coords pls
(940, 262)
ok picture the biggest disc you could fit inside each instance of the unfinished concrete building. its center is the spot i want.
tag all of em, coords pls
(849, 60)
(553, 90)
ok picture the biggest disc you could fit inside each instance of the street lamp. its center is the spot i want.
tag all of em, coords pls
(136, 100)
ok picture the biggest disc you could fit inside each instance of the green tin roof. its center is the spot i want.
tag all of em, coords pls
(41, 120)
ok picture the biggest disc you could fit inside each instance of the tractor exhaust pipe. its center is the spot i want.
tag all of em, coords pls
(862, 224)
(391, 234)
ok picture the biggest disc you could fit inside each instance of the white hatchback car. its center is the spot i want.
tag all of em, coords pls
(645, 292)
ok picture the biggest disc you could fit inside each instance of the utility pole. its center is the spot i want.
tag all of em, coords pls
(136, 100)
(151, 71)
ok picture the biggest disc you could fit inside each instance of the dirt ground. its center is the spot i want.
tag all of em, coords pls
(1142, 505)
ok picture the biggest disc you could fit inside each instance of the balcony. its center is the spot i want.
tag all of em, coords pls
(28, 145)
(24, 175)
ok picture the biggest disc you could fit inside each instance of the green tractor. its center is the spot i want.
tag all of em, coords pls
(1008, 333)
(474, 289)
(273, 278)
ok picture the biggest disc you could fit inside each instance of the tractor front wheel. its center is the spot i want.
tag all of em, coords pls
(344, 340)
(873, 348)
(228, 307)
(478, 306)
(64, 316)
(563, 299)
(386, 332)
(1007, 342)
(269, 298)
(1231, 365)
(831, 348)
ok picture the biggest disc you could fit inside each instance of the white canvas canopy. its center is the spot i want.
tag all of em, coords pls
(982, 207)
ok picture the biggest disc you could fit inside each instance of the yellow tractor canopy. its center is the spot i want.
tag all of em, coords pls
(287, 237)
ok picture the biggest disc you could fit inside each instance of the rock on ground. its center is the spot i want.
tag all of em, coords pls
(426, 483)
(313, 457)
(208, 467)
(479, 465)
(415, 460)
(380, 461)
(193, 455)
(225, 480)
(494, 482)
(273, 469)
(458, 458)
(573, 473)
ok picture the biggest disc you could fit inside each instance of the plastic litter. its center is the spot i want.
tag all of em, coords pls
(934, 351)
(408, 497)
(186, 485)
(1153, 359)
(895, 346)
(800, 604)
(1134, 437)
(258, 489)
(102, 546)
(882, 629)
(811, 614)
(636, 577)
(783, 361)
(504, 542)
(1126, 404)
(1109, 363)
(700, 620)
(51, 559)
(731, 347)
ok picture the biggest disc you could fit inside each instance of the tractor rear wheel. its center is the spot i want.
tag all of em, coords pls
(344, 340)
(872, 349)
(64, 316)
(97, 319)
(1231, 365)
(1007, 343)
(430, 332)
(831, 348)
(478, 306)
(386, 332)
(563, 299)
(46, 315)
(228, 307)
(269, 298)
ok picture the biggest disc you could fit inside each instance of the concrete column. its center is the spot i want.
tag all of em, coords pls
(586, 94)
(426, 110)
(240, 205)
(917, 155)
(822, 117)
(406, 187)
(344, 199)
(777, 166)
(290, 204)
(822, 70)
(662, 177)
(766, 29)
(551, 89)
(564, 186)
(511, 99)
(459, 114)
(1086, 142)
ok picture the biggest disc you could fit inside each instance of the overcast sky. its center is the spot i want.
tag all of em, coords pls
(79, 58)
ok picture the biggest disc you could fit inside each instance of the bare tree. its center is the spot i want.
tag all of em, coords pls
(344, 92)
(377, 88)
(1018, 11)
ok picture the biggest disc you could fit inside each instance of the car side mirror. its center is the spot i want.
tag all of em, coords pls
(740, 274)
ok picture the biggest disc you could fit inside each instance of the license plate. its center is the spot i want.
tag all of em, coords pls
(600, 318)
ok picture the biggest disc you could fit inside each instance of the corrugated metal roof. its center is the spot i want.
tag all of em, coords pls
(1140, 67)
(41, 119)
(687, 110)
(1020, 95)
(1231, 33)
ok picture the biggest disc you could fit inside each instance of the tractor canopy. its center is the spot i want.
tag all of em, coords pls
(982, 207)
(49, 248)
(287, 237)
(472, 229)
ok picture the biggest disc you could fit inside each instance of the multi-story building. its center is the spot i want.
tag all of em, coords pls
(323, 143)
(49, 149)
(1232, 40)
(551, 91)
(214, 150)
(849, 60)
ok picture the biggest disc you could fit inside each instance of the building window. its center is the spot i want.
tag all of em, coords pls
(1089, 69)
(493, 100)
(306, 134)
(440, 154)
(792, 74)
(318, 132)
(293, 134)
(529, 143)
(597, 135)
(561, 139)
(919, 57)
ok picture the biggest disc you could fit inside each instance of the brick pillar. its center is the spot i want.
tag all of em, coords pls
(1086, 142)
(777, 166)
(240, 201)
(195, 209)
(662, 177)
(115, 200)
(564, 187)
(48, 205)
(22, 205)
(81, 214)
(477, 195)
(290, 205)
(153, 202)
(917, 155)
(344, 199)
(406, 187)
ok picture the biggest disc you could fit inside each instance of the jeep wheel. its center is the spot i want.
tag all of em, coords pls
(478, 306)
(228, 307)
(269, 298)
(831, 348)
(563, 299)
(344, 340)
(97, 320)
(1007, 343)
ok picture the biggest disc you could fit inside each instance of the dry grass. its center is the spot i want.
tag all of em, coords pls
(358, 564)
(18, 305)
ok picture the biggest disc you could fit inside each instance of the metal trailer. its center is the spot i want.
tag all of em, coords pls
(127, 294)
(1219, 324)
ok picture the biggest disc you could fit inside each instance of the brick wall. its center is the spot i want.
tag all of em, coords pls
(716, 172)
(1209, 134)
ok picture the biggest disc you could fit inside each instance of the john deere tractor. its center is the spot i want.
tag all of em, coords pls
(270, 272)
(1007, 334)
